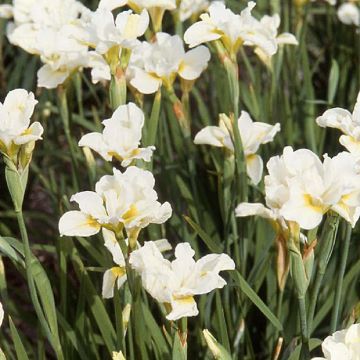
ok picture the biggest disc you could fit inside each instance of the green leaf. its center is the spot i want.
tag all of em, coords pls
(19, 347)
(251, 294)
(333, 81)
(210, 243)
(179, 351)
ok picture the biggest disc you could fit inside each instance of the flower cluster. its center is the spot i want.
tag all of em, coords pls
(301, 188)
(235, 30)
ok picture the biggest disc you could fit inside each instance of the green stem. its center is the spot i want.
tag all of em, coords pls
(64, 113)
(118, 88)
(327, 242)
(339, 285)
(232, 70)
(179, 112)
(305, 352)
(118, 320)
(31, 284)
(153, 123)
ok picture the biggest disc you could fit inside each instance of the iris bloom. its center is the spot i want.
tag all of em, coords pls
(176, 283)
(15, 129)
(121, 136)
(231, 29)
(301, 188)
(154, 64)
(347, 123)
(271, 25)
(48, 29)
(252, 134)
(123, 200)
(116, 276)
(349, 14)
(344, 345)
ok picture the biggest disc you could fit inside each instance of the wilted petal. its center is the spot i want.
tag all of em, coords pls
(76, 223)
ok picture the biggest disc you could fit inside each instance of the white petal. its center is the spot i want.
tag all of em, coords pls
(90, 203)
(113, 246)
(108, 284)
(350, 144)
(144, 82)
(299, 208)
(208, 268)
(182, 308)
(163, 245)
(111, 4)
(200, 33)
(349, 14)
(76, 223)
(6, 11)
(95, 141)
(337, 118)
(49, 78)
(33, 133)
(254, 168)
(251, 209)
(287, 38)
(211, 135)
(194, 63)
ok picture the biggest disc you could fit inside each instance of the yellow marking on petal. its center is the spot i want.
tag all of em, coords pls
(27, 132)
(250, 158)
(184, 299)
(92, 222)
(314, 204)
(118, 271)
(130, 214)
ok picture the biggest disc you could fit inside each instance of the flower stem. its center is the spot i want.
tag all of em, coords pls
(339, 285)
(64, 113)
(305, 352)
(118, 89)
(327, 242)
